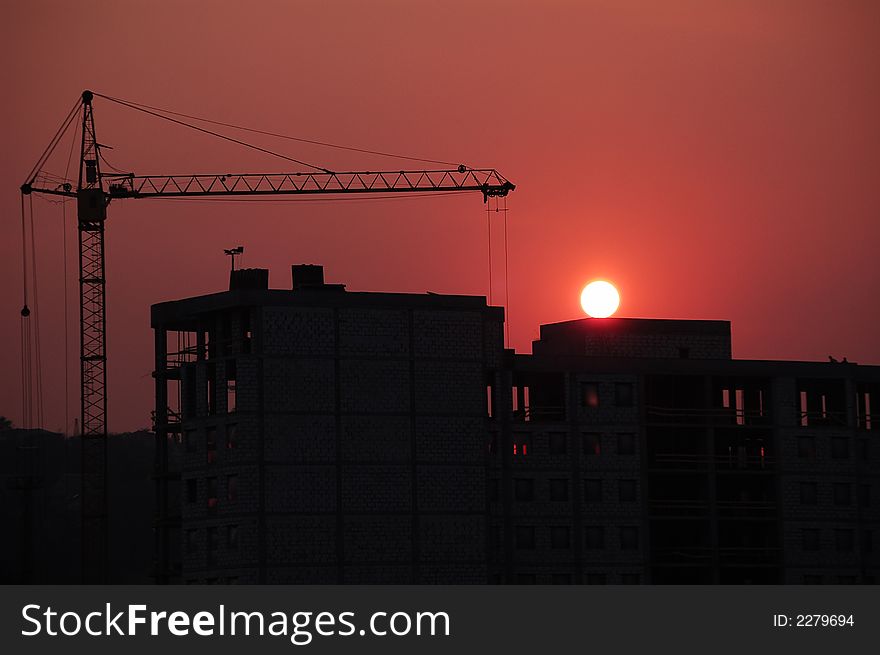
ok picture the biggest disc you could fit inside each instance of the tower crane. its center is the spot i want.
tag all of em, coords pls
(94, 192)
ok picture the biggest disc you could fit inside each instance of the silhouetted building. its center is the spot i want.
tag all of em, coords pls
(639, 451)
(318, 435)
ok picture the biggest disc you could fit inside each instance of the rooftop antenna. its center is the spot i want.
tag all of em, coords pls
(232, 252)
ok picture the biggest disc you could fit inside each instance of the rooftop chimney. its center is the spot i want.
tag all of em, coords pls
(311, 277)
(307, 275)
(249, 278)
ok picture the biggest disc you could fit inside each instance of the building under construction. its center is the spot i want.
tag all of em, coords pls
(315, 435)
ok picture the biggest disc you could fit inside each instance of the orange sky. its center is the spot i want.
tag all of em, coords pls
(714, 159)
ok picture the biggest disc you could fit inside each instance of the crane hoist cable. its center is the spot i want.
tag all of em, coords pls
(54, 142)
(38, 363)
(25, 327)
(325, 144)
(64, 277)
(216, 134)
(506, 273)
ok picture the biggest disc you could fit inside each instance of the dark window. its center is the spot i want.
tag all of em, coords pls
(627, 490)
(862, 449)
(810, 539)
(839, 448)
(844, 540)
(232, 537)
(557, 443)
(590, 394)
(629, 538)
(842, 494)
(594, 537)
(211, 444)
(211, 493)
(806, 447)
(684, 353)
(231, 436)
(560, 536)
(232, 488)
(809, 493)
(525, 578)
(592, 444)
(495, 537)
(867, 541)
(192, 490)
(596, 578)
(212, 539)
(630, 578)
(189, 439)
(864, 495)
(524, 489)
(493, 491)
(623, 394)
(561, 578)
(525, 537)
(626, 443)
(812, 579)
(559, 489)
(846, 579)
(192, 545)
(593, 491)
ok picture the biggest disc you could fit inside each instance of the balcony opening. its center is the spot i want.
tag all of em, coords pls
(231, 404)
(211, 492)
(822, 402)
(211, 444)
(211, 389)
(864, 394)
(592, 444)
(189, 441)
(524, 489)
(247, 335)
(538, 396)
(192, 544)
(590, 395)
(192, 490)
(232, 489)
(521, 444)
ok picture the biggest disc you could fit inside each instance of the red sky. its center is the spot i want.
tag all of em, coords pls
(713, 159)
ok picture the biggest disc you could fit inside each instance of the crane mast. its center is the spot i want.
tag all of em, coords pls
(92, 200)
(91, 214)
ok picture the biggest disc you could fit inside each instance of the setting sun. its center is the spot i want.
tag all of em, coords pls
(600, 299)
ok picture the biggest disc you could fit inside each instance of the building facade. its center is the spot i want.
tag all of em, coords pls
(314, 435)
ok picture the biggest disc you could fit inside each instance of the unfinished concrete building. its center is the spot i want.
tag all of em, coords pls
(639, 451)
(318, 435)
